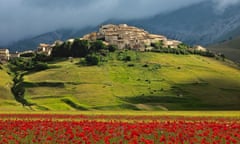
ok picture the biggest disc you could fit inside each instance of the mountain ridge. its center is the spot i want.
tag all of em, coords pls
(228, 47)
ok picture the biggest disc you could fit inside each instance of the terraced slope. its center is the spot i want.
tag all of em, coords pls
(151, 81)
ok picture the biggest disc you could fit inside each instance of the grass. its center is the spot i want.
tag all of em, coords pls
(5, 84)
(7, 100)
(234, 114)
(151, 81)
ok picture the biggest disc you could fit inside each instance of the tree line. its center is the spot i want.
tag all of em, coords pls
(92, 51)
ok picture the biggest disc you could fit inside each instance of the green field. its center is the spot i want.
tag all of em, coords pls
(7, 100)
(151, 81)
(213, 114)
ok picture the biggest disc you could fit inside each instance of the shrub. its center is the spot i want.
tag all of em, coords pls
(42, 58)
(127, 58)
(112, 48)
(40, 66)
(131, 65)
(29, 54)
(145, 65)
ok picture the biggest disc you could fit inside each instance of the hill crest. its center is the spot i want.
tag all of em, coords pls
(124, 36)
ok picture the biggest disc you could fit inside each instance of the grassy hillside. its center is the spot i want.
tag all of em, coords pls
(230, 48)
(150, 81)
(7, 101)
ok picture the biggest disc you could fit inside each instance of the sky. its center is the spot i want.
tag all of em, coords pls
(20, 19)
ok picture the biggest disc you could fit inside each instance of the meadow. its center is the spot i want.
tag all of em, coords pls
(150, 81)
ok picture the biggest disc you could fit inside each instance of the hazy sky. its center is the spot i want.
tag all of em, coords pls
(23, 18)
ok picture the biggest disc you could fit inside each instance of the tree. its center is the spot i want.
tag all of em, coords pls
(97, 45)
(92, 60)
(80, 48)
(62, 50)
(42, 57)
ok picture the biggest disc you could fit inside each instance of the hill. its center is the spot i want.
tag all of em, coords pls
(230, 48)
(150, 81)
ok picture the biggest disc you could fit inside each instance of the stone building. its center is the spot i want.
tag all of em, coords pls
(47, 48)
(4, 54)
(171, 43)
(44, 48)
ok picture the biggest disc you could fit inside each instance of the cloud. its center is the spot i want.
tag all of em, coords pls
(221, 5)
(25, 18)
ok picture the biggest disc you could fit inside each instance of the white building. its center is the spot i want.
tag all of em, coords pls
(4, 55)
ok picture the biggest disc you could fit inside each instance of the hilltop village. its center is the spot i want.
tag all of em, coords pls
(122, 36)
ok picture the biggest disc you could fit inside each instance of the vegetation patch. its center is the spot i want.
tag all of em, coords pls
(44, 84)
(154, 99)
(150, 81)
(42, 108)
(73, 105)
(124, 106)
(46, 97)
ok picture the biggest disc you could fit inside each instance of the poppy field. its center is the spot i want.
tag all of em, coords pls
(117, 129)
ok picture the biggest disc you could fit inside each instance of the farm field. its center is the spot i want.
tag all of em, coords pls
(127, 127)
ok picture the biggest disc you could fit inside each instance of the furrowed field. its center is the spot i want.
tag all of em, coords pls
(148, 128)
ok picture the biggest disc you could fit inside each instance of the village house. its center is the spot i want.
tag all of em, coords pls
(4, 55)
(171, 43)
(44, 48)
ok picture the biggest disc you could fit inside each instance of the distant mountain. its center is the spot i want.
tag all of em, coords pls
(196, 24)
(50, 37)
(230, 48)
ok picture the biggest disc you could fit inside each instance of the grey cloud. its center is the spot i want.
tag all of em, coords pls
(221, 5)
(57, 3)
(24, 18)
